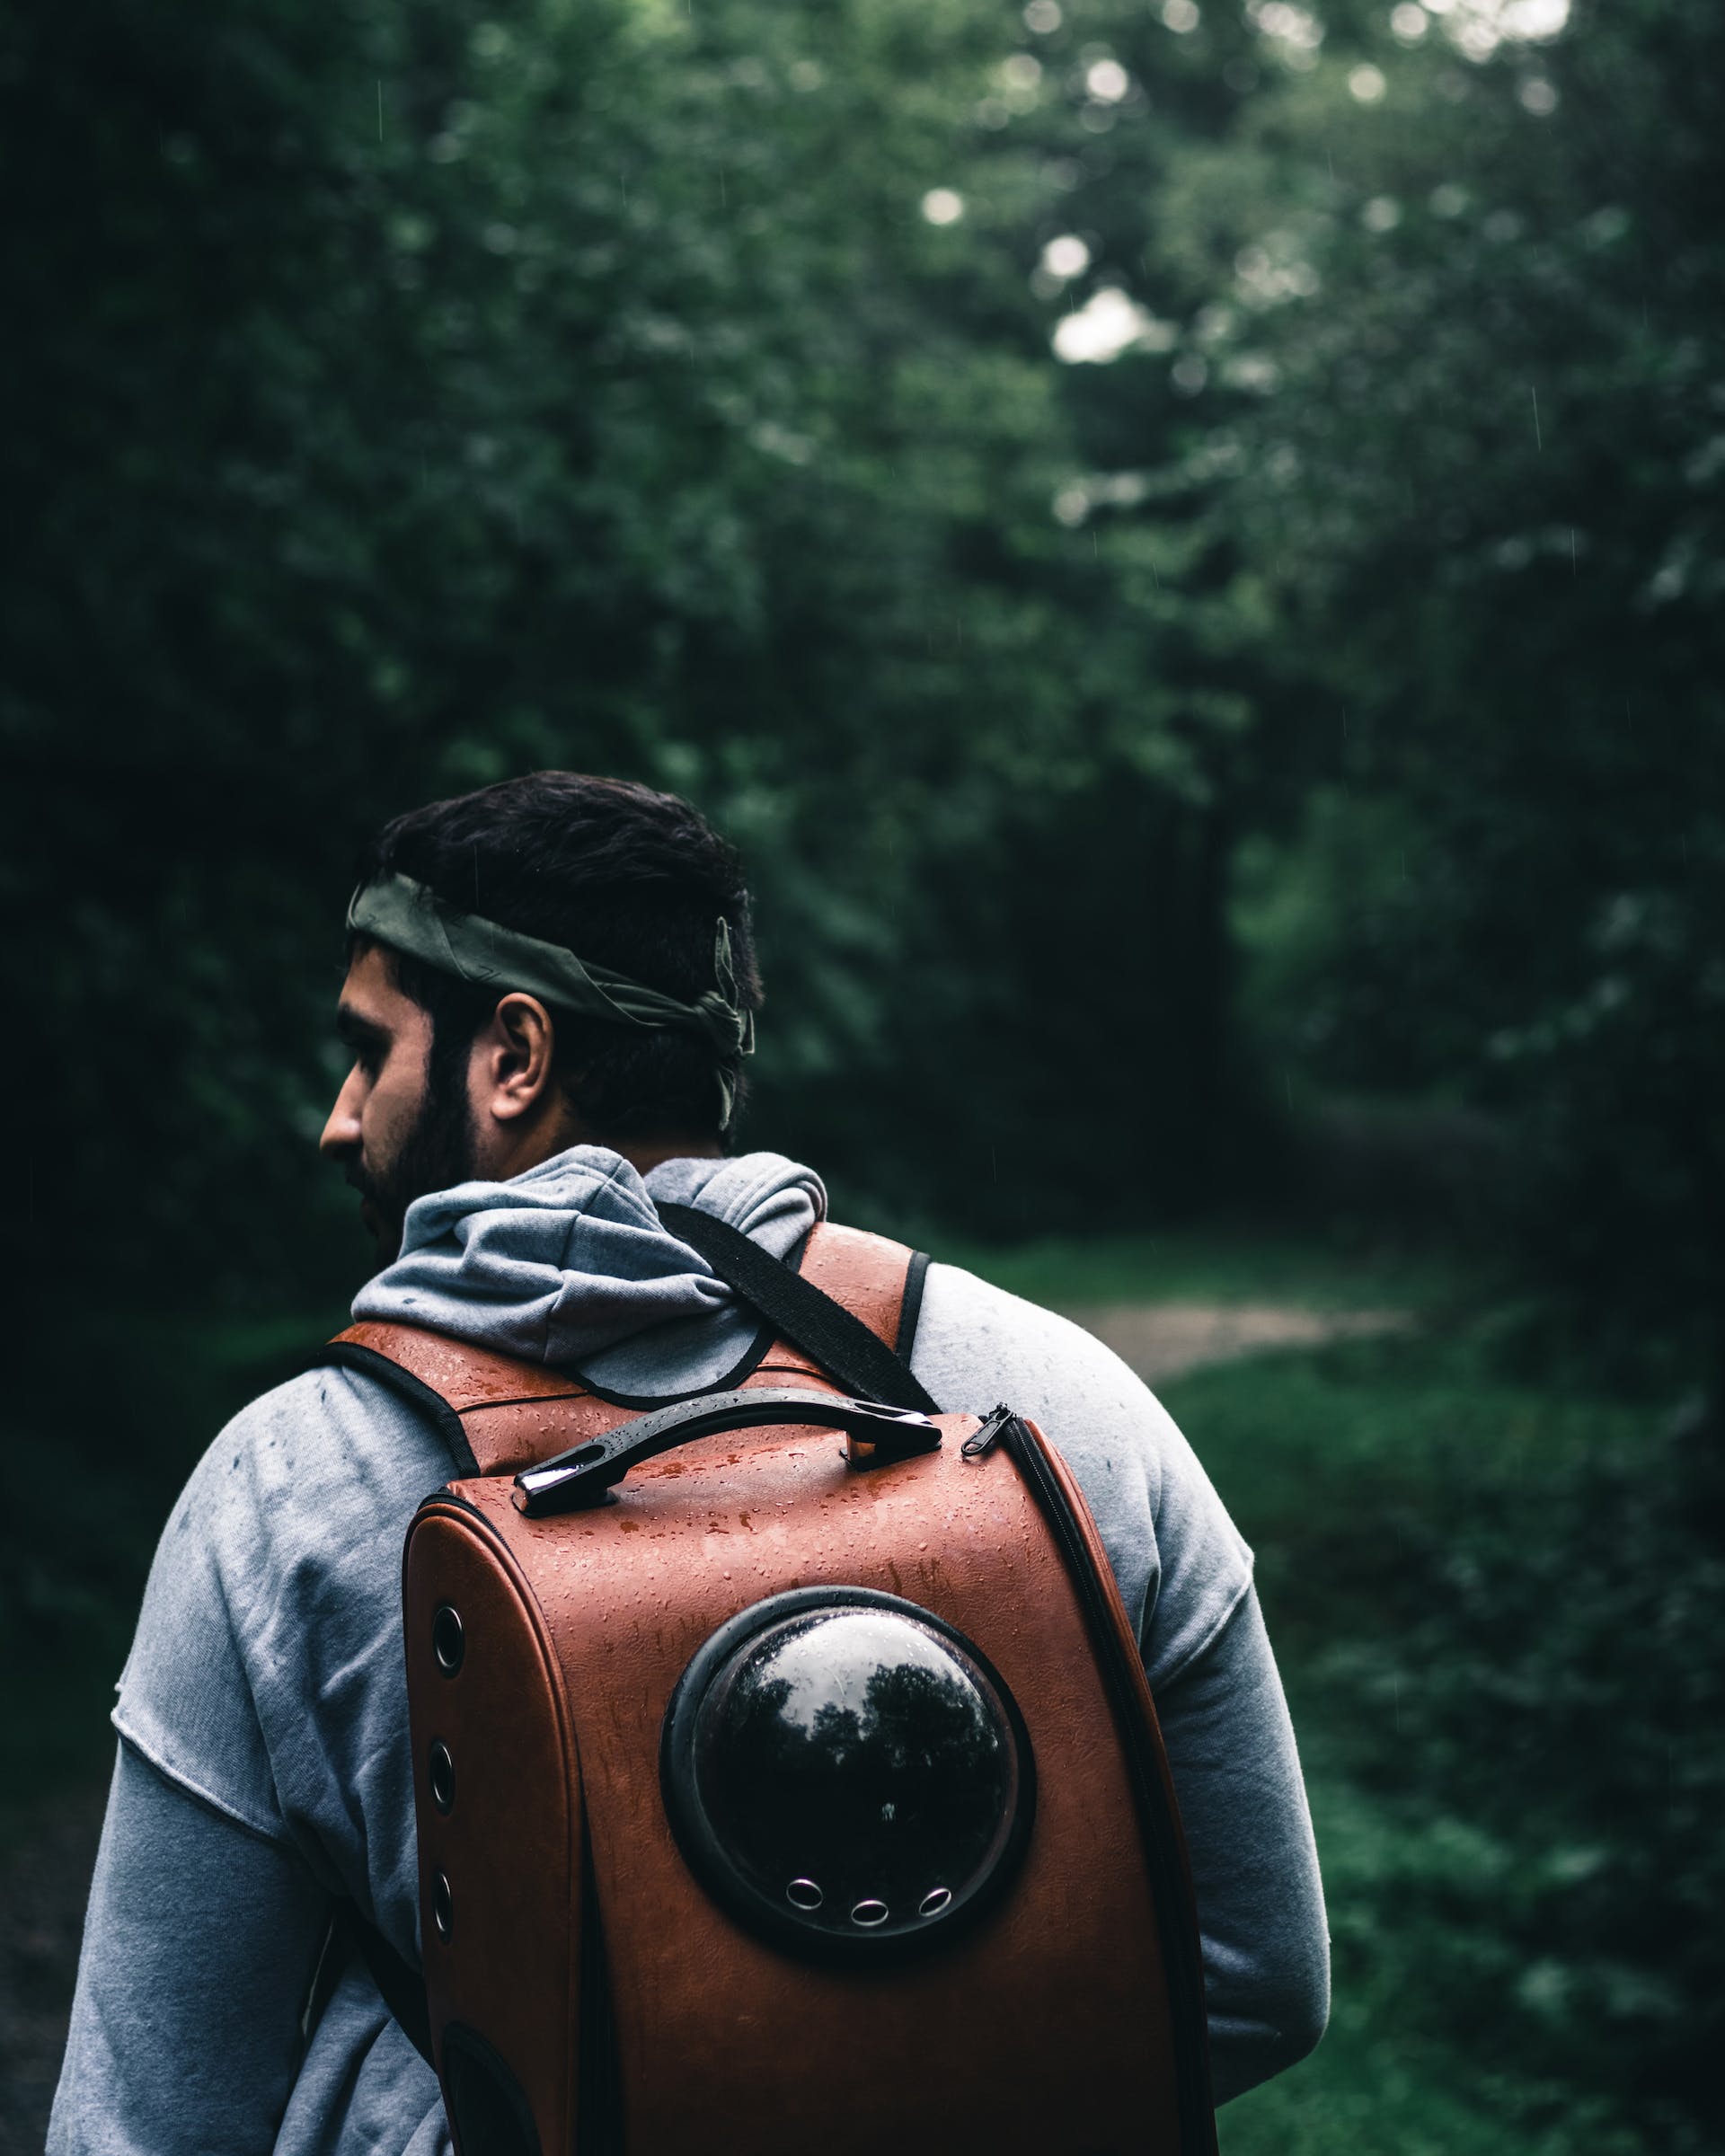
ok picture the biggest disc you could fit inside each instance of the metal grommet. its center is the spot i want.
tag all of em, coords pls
(934, 1901)
(803, 1893)
(448, 1641)
(442, 1776)
(442, 1911)
(869, 1914)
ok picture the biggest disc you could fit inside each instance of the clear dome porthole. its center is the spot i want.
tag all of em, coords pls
(846, 1774)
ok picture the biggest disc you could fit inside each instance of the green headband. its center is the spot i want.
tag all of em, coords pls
(411, 917)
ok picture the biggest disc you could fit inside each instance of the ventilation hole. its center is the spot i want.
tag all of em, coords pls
(803, 1893)
(448, 1641)
(487, 2108)
(442, 1777)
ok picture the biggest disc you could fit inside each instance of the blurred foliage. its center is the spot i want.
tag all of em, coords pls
(1480, 467)
(414, 397)
(1497, 1615)
(1183, 541)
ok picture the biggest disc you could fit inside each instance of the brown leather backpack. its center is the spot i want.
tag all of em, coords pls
(786, 1771)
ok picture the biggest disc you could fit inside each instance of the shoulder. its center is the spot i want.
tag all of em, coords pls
(309, 1471)
(1180, 1563)
(278, 1564)
(976, 1345)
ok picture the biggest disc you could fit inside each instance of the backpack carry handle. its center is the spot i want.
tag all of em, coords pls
(583, 1475)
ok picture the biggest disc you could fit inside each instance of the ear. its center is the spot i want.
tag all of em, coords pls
(509, 1076)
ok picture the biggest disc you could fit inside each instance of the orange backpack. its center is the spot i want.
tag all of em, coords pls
(786, 1771)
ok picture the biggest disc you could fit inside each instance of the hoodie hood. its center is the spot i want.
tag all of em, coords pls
(571, 1265)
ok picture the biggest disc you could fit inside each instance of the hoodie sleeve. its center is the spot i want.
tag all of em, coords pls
(264, 1769)
(198, 1954)
(1254, 1863)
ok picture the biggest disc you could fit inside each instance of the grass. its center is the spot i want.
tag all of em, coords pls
(1332, 1463)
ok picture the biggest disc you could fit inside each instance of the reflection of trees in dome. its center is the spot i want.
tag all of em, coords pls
(930, 1720)
(836, 1732)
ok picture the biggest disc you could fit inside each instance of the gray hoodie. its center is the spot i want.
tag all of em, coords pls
(264, 1765)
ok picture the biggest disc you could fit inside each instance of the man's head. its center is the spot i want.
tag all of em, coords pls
(452, 1079)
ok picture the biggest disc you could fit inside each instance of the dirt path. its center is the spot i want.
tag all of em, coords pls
(45, 1878)
(1165, 1340)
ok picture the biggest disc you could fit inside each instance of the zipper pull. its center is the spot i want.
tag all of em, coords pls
(982, 1442)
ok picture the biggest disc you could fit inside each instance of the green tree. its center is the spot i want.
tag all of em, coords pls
(1454, 421)
(415, 397)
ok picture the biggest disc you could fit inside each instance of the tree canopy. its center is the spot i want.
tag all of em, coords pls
(1182, 541)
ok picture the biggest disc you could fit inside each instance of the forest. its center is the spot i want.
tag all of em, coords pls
(1185, 542)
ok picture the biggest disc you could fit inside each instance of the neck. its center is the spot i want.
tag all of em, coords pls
(642, 1154)
(515, 1151)
(646, 1153)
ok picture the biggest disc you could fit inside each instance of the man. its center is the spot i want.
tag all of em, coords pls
(510, 1146)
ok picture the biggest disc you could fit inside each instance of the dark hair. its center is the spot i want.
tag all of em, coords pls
(626, 879)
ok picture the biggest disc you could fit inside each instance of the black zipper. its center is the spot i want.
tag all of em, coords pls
(1176, 1921)
(988, 1434)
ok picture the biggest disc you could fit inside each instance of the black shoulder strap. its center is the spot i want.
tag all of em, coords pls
(806, 1315)
(911, 1310)
(400, 1981)
(353, 1354)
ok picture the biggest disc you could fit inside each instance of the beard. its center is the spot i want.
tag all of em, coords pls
(438, 1152)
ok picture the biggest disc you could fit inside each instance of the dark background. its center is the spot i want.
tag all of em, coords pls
(1185, 544)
